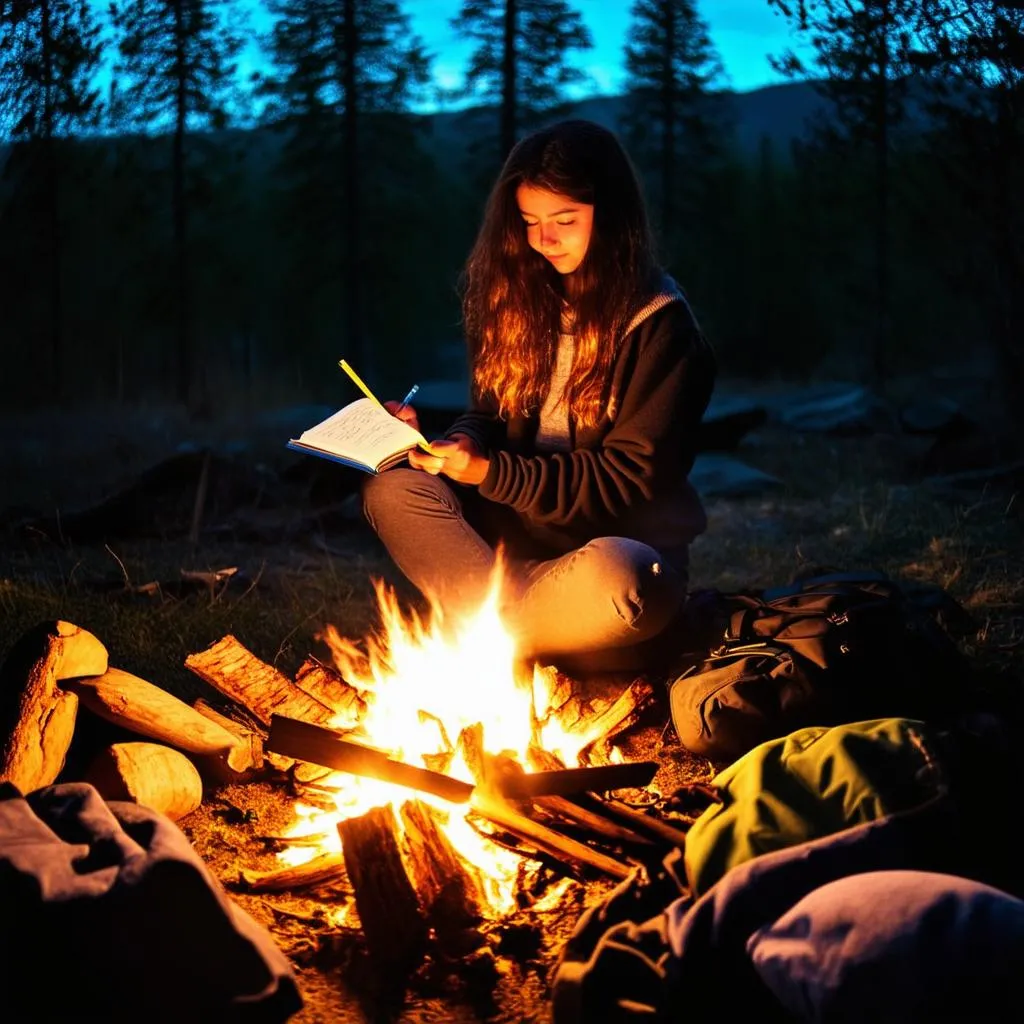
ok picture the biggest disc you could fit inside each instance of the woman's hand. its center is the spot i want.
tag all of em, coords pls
(457, 458)
(406, 413)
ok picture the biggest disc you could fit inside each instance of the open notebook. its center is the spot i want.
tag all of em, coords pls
(364, 435)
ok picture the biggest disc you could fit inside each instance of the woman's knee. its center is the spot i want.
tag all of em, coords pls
(400, 491)
(644, 588)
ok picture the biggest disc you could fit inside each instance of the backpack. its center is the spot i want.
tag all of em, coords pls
(823, 650)
(812, 783)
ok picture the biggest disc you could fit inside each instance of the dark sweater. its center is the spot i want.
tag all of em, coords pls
(628, 475)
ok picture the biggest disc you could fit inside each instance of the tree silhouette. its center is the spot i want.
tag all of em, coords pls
(343, 76)
(520, 60)
(671, 120)
(862, 66)
(177, 69)
(973, 54)
(49, 53)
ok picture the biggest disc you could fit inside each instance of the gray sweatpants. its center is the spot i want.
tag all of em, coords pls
(602, 606)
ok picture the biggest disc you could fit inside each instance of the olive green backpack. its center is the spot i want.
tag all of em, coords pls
(812, 783)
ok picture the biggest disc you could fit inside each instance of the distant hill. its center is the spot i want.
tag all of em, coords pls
(778, 112)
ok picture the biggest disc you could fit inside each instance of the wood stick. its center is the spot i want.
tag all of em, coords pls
(548, 840)
(591, 820)
(245, 737)
(653, 827)
(37, 711)
(620, 714)
(324, 868)
(258, 687)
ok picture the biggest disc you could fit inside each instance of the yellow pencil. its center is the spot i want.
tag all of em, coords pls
(358, 381)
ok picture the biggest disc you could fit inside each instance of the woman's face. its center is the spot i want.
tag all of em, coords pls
(558, 227)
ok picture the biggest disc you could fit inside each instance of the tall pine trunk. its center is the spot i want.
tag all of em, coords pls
(51, 185)
(354, 325)
(509, 113)
(179, 212)
(883, 168)
(668, 126)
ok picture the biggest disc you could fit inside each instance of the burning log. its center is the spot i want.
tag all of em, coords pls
(148, 774)
(448, 888)
(258, 687)
(139, 706)
(393, 923)
(331, 689)
(618, 716)
(488, 804)
(37, 716)
(324, 868)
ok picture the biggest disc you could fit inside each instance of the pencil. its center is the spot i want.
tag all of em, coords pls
(358, 381)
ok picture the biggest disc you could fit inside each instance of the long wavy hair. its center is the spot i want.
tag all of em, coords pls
(515, 304)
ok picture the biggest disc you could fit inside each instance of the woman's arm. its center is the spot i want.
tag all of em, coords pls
(647, 450)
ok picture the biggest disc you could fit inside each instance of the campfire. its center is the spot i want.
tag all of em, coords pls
(427, 765)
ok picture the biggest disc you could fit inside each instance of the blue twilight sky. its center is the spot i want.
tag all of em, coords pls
(743, 31)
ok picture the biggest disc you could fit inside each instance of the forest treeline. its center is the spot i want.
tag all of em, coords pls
(171, 231)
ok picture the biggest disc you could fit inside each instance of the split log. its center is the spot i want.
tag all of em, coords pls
(141, 707)
(618, 716)
(240, 676)
(247, 738)
(148, 774)
(324, 868)
(393, 924)
(449, 889)
(330, 688)
(37, 716)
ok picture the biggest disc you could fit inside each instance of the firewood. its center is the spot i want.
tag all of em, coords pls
(260, 688)
(640, 822)
(553, 843)
(449, 889)
(141, 707)
(37, 715)
(247, 738)
(330, 688)
(148, 774)
(324, 868)
(618, 716)
(393, 923)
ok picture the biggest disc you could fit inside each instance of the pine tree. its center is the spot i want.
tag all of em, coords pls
(344, 74)
(49, 53)
(862, 65)
(973, 54)
(672, 123)
(177, 68)
(521, 58)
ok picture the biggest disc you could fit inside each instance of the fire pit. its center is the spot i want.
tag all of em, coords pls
(428, 771)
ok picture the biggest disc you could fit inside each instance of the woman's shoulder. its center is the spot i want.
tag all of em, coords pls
(665, 316)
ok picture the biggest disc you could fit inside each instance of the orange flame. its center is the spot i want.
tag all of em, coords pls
(424, 681)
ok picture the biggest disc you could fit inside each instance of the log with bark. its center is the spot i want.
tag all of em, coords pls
(149, 774)
(260, 688)
(141, 707)
(37, 711)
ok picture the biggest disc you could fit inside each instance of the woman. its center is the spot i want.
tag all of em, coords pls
(589, 380)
